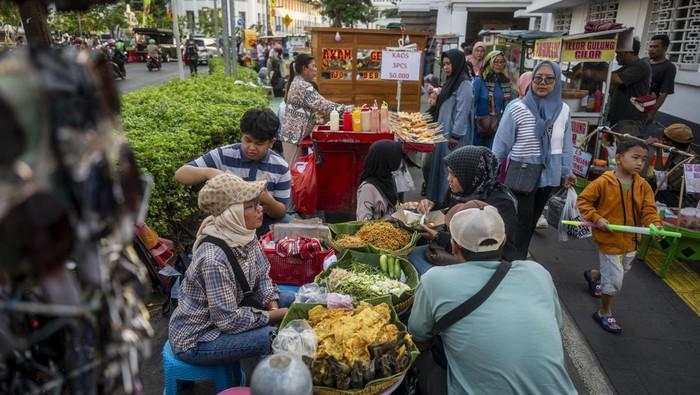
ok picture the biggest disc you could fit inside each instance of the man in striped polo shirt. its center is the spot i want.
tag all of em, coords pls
(252, 159)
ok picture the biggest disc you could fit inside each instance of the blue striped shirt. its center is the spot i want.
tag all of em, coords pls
(273, 168)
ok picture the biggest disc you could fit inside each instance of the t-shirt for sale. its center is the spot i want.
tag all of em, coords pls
(663, 76)
(636, 79)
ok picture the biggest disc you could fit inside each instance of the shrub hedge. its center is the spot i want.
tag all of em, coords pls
(170, 124)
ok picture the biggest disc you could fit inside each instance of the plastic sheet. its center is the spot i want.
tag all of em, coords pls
(297, 338)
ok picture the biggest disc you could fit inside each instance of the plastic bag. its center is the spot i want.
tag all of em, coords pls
(311, 293)
(304, 190)
(339, 301)
(297, 338)
(555, 207)
(570, 213)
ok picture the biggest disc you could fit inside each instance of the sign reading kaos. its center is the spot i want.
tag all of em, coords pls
(588, 50)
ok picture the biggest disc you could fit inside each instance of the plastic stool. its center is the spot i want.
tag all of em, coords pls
(174, 369)
(236, 391)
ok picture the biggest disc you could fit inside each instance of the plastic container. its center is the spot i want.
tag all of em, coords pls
(356, 120)
(335, 121)
(347, 121)
(291, 270)
(375, 119)
(366, 117)
(384, 118)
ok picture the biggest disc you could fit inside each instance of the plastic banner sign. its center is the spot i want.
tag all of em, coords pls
(585, 50)
(579, 129)
(692, 178)
(549, 49)
(251, 37)
(581, 163)
(401, 65)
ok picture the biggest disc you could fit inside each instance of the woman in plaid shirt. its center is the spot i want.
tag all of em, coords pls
(216, 320)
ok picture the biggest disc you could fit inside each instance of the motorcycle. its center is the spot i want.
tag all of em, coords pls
(152, 63)
(117, 71)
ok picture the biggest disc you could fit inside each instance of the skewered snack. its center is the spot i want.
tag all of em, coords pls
(416, 127)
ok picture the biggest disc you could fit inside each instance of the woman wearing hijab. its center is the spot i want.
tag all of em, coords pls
(377, 195)
(471, 173)
(452, 110)
(228, 303)
(492, 92)
(535, 137)
(476, 58)
(524, 83)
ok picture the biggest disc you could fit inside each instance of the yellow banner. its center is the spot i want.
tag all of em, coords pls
(548, 49)
(588, 50)
(251, 37)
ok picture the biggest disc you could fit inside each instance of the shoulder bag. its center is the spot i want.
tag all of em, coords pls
(437, 348)
(523, 177)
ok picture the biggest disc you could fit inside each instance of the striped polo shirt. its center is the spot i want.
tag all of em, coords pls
(273, 168)
(527, 143)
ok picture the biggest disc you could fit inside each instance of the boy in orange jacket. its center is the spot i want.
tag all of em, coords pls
(623, 197)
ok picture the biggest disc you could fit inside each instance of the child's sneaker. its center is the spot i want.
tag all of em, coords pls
(593, 285)
(607, 322)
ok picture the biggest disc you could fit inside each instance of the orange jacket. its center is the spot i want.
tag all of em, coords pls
(604, 198)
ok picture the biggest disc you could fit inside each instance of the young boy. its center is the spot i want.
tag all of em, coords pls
(622, 197)
(252, 160)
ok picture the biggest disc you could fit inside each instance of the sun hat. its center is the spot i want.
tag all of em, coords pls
(225, 190)
(470, 229)
(680, 133)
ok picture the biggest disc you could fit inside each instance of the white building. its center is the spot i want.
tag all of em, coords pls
(382, 6)
(248, 12)
(679, 19)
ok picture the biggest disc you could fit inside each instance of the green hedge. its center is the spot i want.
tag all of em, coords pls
(170, 124)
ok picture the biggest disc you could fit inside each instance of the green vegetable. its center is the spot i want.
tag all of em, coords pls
(392, 268)
(363, 286)
(397, 269)
(383, 264)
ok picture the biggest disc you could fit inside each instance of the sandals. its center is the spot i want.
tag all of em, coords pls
(593, 285)
(608, 323)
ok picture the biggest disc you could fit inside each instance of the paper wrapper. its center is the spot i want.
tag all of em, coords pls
(412, 218)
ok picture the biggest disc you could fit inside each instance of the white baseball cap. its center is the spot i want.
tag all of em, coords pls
(470, 228)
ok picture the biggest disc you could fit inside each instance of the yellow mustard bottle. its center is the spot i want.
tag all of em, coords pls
(356, 119)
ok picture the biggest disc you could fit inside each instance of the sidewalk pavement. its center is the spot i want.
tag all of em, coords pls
(659, 349)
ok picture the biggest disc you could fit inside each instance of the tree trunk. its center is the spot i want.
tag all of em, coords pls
(34, 20)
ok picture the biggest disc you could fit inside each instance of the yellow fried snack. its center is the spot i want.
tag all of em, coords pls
(384, 235)
(345, 335)
(350, 241)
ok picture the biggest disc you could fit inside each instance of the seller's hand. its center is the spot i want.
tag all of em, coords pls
(602, 224)
(652, 140)
(569, 181)
(277, 315)
(452, 143)
(655, 228)
(428, 233)
(425, 205)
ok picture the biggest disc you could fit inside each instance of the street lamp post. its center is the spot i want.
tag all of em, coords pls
(176, 33)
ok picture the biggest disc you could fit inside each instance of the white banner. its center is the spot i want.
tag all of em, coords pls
(401, 65)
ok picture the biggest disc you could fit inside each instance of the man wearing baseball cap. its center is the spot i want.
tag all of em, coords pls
(506, 335)
(679, 136)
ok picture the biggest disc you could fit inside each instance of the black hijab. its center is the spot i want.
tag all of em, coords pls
(383, 158)
(476, 169)
(459, 74)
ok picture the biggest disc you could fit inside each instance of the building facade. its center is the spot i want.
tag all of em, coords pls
(679, 19)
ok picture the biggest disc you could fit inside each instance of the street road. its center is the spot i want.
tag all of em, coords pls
(138, 76)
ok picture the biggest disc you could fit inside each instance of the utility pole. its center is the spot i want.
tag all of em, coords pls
(217, 32)
(227, 33)
(176, 32)
(233, 46)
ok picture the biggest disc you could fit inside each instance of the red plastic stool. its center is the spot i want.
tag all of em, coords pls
(236, 391)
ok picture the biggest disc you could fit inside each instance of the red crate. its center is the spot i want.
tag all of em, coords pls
(291, 270)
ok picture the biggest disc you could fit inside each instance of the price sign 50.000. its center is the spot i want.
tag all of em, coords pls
(401, 65)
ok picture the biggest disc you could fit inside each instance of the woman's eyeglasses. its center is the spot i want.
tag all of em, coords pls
(543, 80)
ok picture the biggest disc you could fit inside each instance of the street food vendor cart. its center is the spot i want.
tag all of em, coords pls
(349, 63)
(517, 45)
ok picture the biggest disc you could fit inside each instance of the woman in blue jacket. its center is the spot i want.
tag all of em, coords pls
(452, 110)
(492, 92)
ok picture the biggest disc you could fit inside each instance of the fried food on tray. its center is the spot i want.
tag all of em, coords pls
(351, 241)
(416, 128)
(382, 234)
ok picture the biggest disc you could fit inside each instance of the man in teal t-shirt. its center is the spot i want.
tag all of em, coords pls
(512, 342)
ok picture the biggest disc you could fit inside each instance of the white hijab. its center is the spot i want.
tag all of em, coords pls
(228, 226)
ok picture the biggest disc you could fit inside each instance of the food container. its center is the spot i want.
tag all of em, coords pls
(375, 119)
(356, 120)
(335, 121)
(350, 228)
(366, 117)
(384, 118)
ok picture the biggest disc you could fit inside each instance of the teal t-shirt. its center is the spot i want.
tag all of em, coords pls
(510, 344)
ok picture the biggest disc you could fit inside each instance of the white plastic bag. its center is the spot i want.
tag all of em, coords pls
(311, 293)
(570, 213)
(297, 338)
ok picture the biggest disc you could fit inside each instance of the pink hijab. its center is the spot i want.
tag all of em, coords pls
(524, 83)
(477, 65)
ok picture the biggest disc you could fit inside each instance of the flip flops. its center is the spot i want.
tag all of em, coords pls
(608, 323)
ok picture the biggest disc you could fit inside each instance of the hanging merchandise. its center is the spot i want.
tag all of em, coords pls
(71, 316)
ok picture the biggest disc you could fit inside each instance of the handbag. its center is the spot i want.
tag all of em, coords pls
(523, 177)
(437, 348)
(488, 124)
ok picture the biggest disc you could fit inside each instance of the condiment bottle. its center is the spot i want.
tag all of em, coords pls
(347, 120)
(335, 120)
(375, 122)
(366, 118)
(384, 118)
(356, 120)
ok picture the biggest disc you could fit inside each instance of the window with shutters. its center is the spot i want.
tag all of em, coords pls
(538, 23)
(603, 10)
(562, 20)
(680, 20)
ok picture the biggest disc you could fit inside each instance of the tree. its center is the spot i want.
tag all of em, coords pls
(9, 16)
(210, 21)
(98, 19)
(346, 13)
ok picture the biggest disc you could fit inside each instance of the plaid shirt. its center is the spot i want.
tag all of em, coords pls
(210, 297)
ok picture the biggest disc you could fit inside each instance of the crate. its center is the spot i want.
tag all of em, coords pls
(292, 270)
